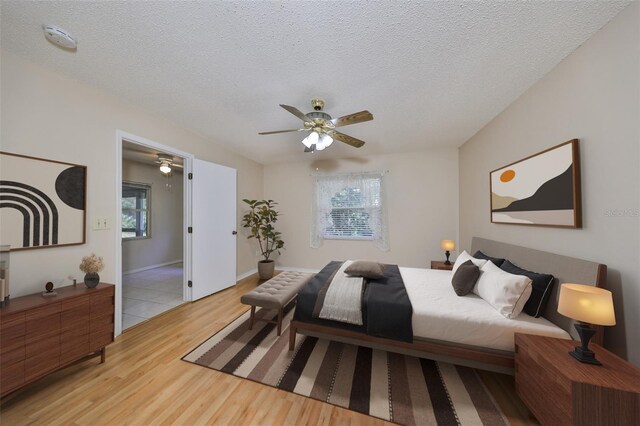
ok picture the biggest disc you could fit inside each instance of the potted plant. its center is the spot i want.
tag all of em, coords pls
(91, 265)
(259, 220)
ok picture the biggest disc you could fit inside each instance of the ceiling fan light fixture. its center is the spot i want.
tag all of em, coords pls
(325, 141)
(164, 168)
(310, 140)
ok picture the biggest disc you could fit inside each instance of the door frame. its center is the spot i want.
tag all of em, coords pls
(186, 217)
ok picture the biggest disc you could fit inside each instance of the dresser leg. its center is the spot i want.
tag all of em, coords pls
(103, 355)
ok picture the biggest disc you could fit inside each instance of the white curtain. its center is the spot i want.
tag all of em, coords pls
(371, 198)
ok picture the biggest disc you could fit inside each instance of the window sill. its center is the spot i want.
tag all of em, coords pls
(135, 238)
(335, 237)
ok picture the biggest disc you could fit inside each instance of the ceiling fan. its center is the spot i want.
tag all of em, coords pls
(322, 127)
(166, 163)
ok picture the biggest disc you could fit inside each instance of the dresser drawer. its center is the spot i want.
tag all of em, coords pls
(41, 364)
(12, 332)
(43, 322)
(75, 313)
(12, 377)
(74, 345)
(101, 337)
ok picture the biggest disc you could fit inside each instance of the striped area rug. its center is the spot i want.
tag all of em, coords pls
(402, 389)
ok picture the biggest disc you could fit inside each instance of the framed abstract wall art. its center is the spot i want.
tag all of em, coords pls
(540, 190)
(42, 202)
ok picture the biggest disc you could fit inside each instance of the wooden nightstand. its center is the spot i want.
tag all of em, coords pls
(437, 264)
(560, 390)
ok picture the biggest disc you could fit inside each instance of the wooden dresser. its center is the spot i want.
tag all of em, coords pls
(39, 335)
(560, 390)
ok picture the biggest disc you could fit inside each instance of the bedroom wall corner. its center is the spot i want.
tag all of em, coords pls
(592, 95)
(422, 189)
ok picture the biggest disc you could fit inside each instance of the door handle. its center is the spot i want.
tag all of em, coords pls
(234, 232)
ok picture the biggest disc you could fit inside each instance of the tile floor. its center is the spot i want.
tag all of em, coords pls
(148, 293)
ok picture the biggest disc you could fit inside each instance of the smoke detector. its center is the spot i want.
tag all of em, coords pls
(60, 37)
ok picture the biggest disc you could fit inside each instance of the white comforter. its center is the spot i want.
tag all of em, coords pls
(438, 313)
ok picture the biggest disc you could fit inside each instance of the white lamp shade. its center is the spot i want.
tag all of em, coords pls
(326, 140)
(164, 168)
(586, 303)
(447, 245)
(312, 139)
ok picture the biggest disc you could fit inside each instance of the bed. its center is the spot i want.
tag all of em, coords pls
(464, 330)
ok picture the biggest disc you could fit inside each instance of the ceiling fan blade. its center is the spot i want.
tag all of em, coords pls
(295, 111)
(349, 140)
(355, 118)
(281, 131)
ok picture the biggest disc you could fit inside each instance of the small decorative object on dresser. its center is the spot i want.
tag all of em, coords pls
(438, 264)
(587, 305)
(560, 391)
(91, 265)
(49, 288)
(447, 247)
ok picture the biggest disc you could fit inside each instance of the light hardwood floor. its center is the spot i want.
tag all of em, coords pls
(144, 382)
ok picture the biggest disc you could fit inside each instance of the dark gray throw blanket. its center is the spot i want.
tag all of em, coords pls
(386, 307)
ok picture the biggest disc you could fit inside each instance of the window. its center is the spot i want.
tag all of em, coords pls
(349, 207)
(136, 210)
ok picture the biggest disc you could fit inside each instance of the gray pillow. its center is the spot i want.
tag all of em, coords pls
(365, 269)
(465, 278)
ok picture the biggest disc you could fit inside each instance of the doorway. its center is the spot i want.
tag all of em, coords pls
(209, 201)
(152, 232)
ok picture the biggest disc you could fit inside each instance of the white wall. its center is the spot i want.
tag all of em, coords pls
(46, 114)
(592, 95)
(165, 243)
(422, 207)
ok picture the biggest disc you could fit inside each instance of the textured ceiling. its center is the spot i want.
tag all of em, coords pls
(432, 73)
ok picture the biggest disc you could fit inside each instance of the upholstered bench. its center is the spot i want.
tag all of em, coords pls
(275, 294)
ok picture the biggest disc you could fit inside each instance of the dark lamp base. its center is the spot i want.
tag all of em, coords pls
(588, 357)
(583, 353)
(447, 262)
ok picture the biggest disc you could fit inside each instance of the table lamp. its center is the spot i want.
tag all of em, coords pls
(447, 246)
(587, 305)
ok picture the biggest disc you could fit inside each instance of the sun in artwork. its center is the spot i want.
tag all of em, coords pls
(507, 175)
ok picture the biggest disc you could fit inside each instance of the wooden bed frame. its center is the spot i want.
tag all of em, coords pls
(565, 269)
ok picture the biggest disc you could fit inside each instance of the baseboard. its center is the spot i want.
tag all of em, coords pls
(293, 268)
(278, 268)
(146, 268)
(246, 274)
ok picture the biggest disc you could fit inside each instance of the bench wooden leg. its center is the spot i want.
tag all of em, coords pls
(252, 317)
(292, 337)
(279, 320)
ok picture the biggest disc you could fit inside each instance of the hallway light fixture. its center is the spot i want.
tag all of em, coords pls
(165, 162)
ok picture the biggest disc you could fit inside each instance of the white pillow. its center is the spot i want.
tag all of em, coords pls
(506, 292)
(463, 257)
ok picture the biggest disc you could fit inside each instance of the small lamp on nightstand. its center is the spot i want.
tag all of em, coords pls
(447, 246)
(587, 305)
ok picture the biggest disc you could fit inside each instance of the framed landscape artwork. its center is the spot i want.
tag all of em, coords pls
(540, 190)
(42, 202)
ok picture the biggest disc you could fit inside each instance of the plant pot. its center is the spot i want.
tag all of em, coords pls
(91, 279)
(265, 269)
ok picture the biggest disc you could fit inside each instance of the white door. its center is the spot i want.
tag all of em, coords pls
(213, 239)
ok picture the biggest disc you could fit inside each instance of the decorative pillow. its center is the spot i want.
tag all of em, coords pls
(541, 287)
(463, 257)
(365, 269)
(496, 260)
(506, 292)
(465, 278)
